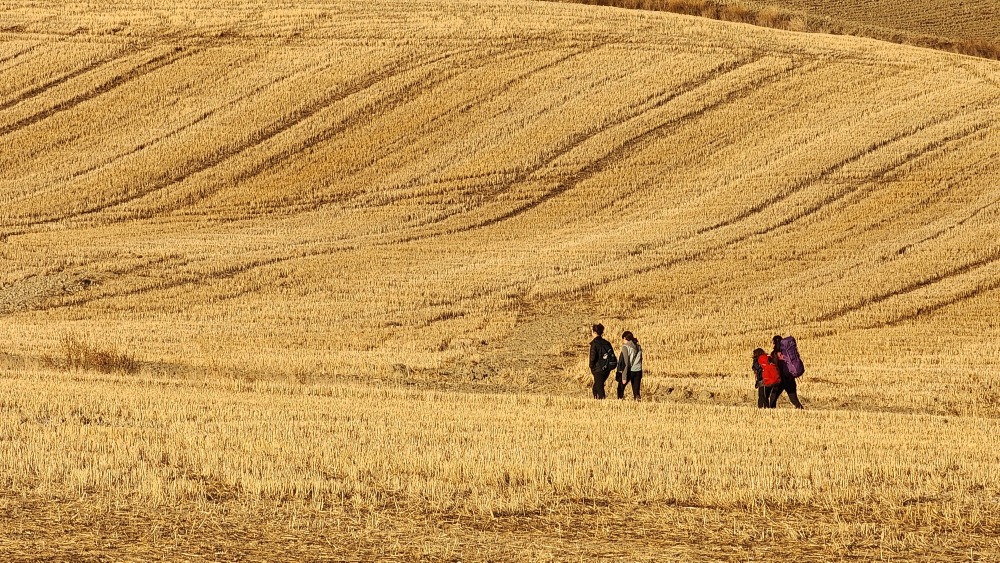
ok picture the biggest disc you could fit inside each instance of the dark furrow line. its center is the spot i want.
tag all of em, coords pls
(926, 311)
(977, 131)
(255, 264)
(190, 279)
(965, 269)
(818, 136)
(407, 94)
(20, 53)
(174, 132)
(463, 180)
(906, 248)
(83, 298)
(258, 138)
(78, 270)
(261, 263)
(520, 176)
(620, 152)
(24, 61)
(873, 177)
(42, 88)
(480, 99)
(709, 250)
(818, 177)
(410, 92)
(582, 137)
(929, 149)
(495, 93)
(65, 39)
(817, 96)
(932, 147)
(936, 195)
(961, 222)
(992, 258)
(704, 252)
(312, 204)
(144, 69)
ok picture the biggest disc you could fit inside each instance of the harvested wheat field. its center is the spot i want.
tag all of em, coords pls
(313, 281)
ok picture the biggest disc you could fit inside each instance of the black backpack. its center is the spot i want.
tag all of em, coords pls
(607, 360)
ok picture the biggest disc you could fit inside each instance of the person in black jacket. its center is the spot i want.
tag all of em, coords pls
(602, 360)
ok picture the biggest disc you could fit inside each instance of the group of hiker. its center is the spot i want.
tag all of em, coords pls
(775, 373)
(627, 366)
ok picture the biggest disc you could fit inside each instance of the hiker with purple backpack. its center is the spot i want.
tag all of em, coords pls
(786, 356)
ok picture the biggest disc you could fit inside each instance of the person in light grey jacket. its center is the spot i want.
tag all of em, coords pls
(629, 366)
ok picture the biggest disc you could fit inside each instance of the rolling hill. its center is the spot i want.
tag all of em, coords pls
(259, 202)
(364, 190)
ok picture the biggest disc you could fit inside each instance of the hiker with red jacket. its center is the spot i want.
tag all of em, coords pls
(786, 357)
(602, 360)
(767, 376)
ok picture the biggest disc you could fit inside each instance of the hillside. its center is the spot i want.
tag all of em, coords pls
(285, 214)
(311, 192)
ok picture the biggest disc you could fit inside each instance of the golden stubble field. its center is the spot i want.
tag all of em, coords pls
(354, 249)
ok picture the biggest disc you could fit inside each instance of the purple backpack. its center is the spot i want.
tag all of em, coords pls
(790, 350)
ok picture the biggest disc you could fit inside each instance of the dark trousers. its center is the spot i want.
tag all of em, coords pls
(635, 378)
(600, 379)
(788, 386)
(763, 397)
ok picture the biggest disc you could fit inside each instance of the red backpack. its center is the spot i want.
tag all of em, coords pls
(769, 372)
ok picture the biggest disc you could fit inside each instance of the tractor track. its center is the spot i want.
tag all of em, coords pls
(615, 155)
(148, 67)
(260, 137)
